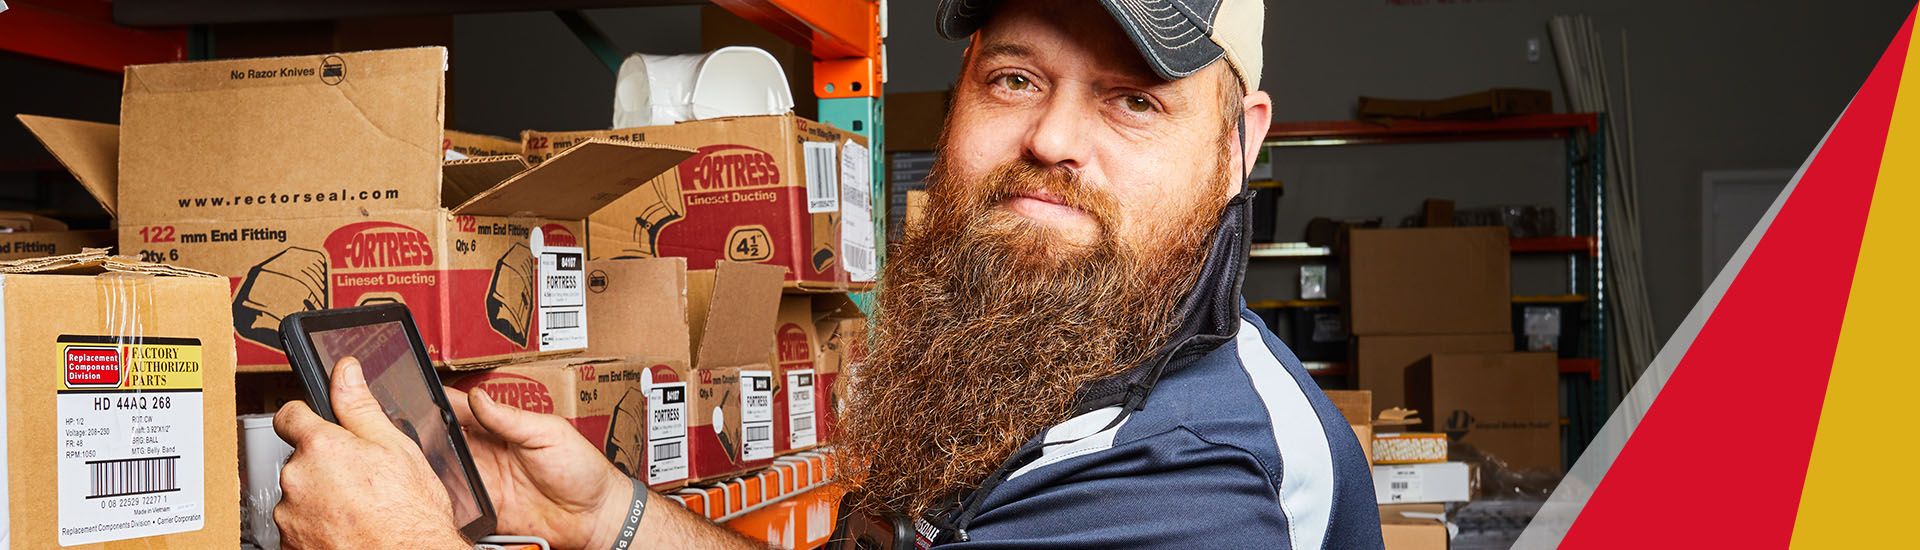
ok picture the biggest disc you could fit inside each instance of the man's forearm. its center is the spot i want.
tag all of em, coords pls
(667, 524)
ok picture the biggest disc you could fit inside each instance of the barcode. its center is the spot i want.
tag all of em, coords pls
(666, 451)
(132, 476)
(803, 420)
(823, 176)
(1401, 485)
(859, 258)
(759, 433)
(563, 319)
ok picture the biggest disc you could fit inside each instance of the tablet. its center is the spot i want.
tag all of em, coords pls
(384, 339)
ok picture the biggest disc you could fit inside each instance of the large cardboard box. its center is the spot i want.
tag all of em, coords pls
(704, 337)
(28, 235)
(1504, 404)
(778, 190)
(1428, 281)
(1357, 406)
(119, 424)
(319, 181)
(801, 361)
(603, 398)
(1381, 361)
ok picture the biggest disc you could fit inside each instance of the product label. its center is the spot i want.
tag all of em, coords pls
(756, 415)
(666, 432)
(1403, 484)
(132, 458)
(563, 288)
(856, 212)
(823, 194)
(800, 429)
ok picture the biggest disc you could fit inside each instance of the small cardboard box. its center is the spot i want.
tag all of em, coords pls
(1381, 361)
(1413, 534)
(319, 181)
(1428, 281)
(1416, 483)
(603, 398)
(28, 235)
(119, 422)
(704, 336)
(1409, 448)
(778, 190)
(801, 362)
(1504, 404)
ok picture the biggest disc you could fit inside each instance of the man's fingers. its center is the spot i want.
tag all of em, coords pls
(298, 425)
(515, 426)
(462, 408)
(356, 408)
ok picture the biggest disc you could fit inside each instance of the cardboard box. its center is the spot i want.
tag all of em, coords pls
(846, 351)
(1413, 534)
(778, 190)
(115, 371)
(1492, 103)
(1428, 281)
(700, 333)
(318, 181)
(603, 398)
(464, 144)
(1357, 406)
(1504, 404)
(28, 235)
(1416, 483)
(914, 119)
(1409, 448)
(1381, 361)
(800, 359)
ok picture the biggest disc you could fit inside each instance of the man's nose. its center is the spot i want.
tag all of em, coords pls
(1058, 137)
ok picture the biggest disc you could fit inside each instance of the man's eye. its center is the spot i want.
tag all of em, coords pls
(1016, 82)
(1138, 104)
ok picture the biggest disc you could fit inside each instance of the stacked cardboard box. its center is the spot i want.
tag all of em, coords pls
(603, 398)
(805, 368)
(1415, 292)
(121, 404)
(1505, 405)
(319, 181)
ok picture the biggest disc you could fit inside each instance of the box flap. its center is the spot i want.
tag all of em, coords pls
(733, 310)
(14, 221)
(461, 179)
(576, 182)
(90, 150)
(94, 261)
(638, 308)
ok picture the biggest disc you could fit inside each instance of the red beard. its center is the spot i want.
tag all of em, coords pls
(989, 323)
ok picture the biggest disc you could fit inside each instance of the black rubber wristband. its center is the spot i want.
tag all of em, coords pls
(631, 526)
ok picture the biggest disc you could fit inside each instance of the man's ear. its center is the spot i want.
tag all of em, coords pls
(1257, 112)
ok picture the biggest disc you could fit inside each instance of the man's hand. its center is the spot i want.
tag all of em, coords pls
(359, 484)
(545, 480)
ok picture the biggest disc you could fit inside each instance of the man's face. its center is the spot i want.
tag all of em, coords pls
(1057, 86)
(1072, 199)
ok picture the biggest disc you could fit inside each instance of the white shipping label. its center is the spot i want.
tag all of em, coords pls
(563, 289)
(1403, 484)
(756, 414)
(800, 429)
(129, 433)
(666, 432)
(856, 212)
(821, 164)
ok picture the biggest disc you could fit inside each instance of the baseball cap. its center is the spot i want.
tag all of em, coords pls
(1177, 37)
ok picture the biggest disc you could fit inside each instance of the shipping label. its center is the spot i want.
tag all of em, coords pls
(756, 415)
(822, 165)
(800, 428)
(132, 458)
(666, 432)
(856, 212)
(563, 289)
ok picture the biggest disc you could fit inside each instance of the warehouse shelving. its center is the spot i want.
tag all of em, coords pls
(1584, 248)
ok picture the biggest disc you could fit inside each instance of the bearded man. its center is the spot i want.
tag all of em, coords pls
(1062, 358)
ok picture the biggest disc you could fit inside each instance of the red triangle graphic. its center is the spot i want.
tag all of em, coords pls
(1746, 396)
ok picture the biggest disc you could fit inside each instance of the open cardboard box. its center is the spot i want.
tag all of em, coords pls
(805, 368)
(603, 398)
(318, 181)
(703, 337)
(29, 235)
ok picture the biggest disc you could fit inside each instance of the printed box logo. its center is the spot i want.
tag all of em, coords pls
(93, 367)
(378, 245)
(558, 235)
(292, 281)
(792, 343)
(719, 167)
(518, 392)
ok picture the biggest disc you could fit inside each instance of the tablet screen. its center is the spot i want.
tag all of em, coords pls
(395, 376)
